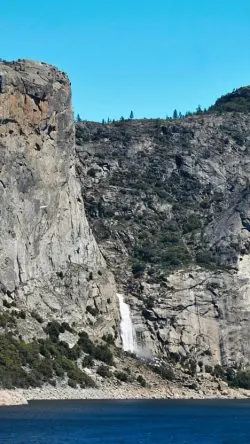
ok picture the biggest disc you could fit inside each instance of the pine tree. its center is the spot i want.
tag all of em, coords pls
(131, 116)
(175, 114)
(78, 118)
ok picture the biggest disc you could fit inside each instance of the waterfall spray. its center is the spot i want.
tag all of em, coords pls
(126, 325)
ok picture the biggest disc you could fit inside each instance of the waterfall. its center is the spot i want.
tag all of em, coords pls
(126, 326)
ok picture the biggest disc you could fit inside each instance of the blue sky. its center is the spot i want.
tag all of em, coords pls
(146, 56)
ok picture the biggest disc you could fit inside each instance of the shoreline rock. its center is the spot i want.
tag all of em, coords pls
(12, 397)
(23, 396)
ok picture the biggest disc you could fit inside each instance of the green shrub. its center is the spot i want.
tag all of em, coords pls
(150, 302)
(80, 377)
(22, 314)
(48, 348)
(138, 269)
(191, 365)
(85, 343)
(7, 320)
(174, 357)
(33, 379)
(45, 368)
(13, 378)
(72, 383)
(109, 339)
(66, 327)
(74, 352)
(141, 380)
(144, 252)
(53, 329)
(100, 352)
(239, 379)
(104, 371)
(122, 376)
(218, 371)
(193, 223)
(63, 348)
(28, 352)
(208, 369)
(170, 238)
(103, 353)
(204, 258)
(59, 371)
(66, 363)
(164, 371)
(162, 193)
(8, 304)
(87, 361)
(176, 255)
(146, 314)
(205, 204)
(21, 363)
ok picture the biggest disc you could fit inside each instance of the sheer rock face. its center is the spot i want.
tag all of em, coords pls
(174, 195)
(50, 262)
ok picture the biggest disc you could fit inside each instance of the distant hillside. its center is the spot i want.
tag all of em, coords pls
(238, 100)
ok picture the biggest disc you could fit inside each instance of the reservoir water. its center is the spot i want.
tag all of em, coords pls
(130, 422)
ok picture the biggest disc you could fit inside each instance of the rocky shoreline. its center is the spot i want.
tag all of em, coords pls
(23, 396)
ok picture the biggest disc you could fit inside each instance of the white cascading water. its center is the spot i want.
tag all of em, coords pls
(126, 325)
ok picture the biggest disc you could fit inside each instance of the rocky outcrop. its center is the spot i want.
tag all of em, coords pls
(168, 202)
(50, 262)
(8, 397)
(202, 315)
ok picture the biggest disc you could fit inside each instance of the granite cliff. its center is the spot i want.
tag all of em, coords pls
(168, 202)
(50, 262)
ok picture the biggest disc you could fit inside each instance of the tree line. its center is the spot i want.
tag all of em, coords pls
(175, 116)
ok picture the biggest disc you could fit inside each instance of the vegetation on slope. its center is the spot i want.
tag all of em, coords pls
(42, 361)
(237, 101)
(155, 199)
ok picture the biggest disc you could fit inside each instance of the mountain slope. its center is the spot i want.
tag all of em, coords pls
(168, 202)
(167, 208)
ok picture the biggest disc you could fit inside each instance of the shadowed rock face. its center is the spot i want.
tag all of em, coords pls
(168, 202)
(49, 259)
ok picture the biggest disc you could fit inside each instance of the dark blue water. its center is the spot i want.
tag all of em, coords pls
(130, 422)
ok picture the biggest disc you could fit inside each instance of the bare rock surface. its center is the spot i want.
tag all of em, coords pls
(159, 391)
(11, 397)
(50, 262)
